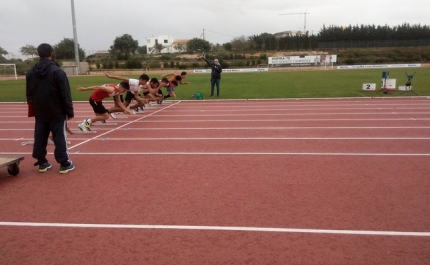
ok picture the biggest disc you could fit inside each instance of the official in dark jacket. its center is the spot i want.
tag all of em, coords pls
(215, 75)
(48, 95)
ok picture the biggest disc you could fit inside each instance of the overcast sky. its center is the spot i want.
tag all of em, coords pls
(99, 22)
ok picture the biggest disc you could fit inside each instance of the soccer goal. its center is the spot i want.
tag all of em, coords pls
(326, 66)
(8, 70)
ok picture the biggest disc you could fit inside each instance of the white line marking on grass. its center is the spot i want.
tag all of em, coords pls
(219, 228)
(119, 127)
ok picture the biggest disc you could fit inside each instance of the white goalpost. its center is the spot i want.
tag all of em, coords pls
(6, 66)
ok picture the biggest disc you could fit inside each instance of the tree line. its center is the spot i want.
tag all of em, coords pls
(124, 47)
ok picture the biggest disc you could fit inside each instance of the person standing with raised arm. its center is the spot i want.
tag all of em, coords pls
(215, 75)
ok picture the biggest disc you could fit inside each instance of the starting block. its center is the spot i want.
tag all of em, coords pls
(120, 116)
(105, 124)
(83, 132)
(32, 142)
(12, 163)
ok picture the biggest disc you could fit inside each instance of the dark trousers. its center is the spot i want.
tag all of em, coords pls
(213, 83)
(41, 134)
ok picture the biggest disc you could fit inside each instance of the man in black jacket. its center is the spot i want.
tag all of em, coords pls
(49, 98)
(215, 75)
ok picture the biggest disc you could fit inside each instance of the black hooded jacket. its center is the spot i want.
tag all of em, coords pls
(216, 69)
(48, 87)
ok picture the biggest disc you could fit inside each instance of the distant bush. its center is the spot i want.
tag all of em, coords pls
(133, 64)
(350, 61)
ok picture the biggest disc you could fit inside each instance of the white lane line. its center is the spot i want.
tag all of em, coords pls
(119, 127)
(219, 228)
(277, 128)
(231, 153)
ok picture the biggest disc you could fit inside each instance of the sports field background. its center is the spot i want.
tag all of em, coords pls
(261, 85)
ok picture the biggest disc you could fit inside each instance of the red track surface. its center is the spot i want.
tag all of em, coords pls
(222, 173)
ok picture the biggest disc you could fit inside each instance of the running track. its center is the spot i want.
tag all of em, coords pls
(337, 181)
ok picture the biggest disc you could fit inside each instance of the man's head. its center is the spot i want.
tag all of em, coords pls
(123, 86)
(154, 82)
(174, 83)
(216, 61)
(184, 75)
(164, 82)
(45, 50)
(143, 79)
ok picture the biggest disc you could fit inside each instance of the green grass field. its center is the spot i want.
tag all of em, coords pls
(262, 85)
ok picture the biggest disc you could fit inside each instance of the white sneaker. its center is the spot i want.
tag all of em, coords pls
(82, 127)
(132, 111)
(112, 116)
(150, 103)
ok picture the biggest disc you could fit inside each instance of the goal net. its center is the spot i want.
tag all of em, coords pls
(326, 65)
(7, 70)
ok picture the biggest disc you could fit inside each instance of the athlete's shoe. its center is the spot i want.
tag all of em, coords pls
(150, 103)
(136, 110)
(103, 121)
(44, 167)
(82, 127)
(132, 111)
(112, 116)
(87, 125)
(141, 108)
(64, 170)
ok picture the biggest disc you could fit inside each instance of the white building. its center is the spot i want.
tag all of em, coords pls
(288, 33)
(170, 45)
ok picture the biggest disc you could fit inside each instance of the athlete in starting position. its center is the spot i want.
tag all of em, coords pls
(96, 98)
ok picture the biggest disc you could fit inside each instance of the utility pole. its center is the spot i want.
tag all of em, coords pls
(75, 38)
(203, 34)
(305, 13)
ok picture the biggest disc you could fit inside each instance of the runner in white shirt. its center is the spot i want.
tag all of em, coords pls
(135, 87)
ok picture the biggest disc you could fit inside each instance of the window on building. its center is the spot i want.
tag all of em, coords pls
(166, 41)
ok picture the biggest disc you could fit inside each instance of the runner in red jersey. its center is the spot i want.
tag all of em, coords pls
(96, 101)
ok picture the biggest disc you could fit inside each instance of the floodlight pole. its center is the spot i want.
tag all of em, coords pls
(75, 38)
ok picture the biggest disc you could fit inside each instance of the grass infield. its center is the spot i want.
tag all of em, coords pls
(261, 85)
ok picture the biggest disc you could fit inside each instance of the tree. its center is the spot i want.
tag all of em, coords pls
(142, 50)
(180, 47)
(197, 44)
(240, 43)
(29, 50)
(3, 51)
(228, 46)
(65, 49)
(124, 44)
(158, 47)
